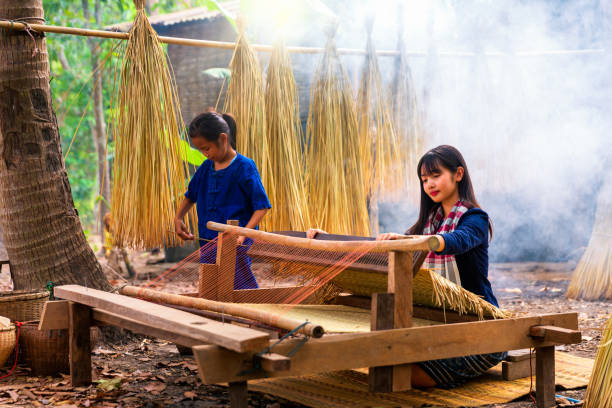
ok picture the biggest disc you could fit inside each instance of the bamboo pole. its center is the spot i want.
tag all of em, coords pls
(13, 25)
(234, 309)
(407, 243)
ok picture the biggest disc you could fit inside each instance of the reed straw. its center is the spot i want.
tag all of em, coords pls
(149, 177)
(290, 210)
(599, 390)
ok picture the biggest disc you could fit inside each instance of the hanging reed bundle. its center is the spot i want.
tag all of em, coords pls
(290, 209)
(599, 390)
(336, 186)
(245, 100)
(592, 278)
(408, 121)
(149, 177)
(379, 148)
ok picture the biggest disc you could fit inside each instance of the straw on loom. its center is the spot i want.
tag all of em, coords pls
(245, 100)
(290, 210)
(379, 147)
(592, 278)
(149, 177)
(599, 390)
(428, 289)
(335, 183)
(407, 119)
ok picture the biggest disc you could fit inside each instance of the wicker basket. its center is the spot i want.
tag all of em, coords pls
(7, 343)
(46, 351)
(24, 306)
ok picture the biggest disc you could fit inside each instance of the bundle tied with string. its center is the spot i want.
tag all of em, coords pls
(599, 390)
(290, 210)
(335, 183)
(149, 175)
(592, 278)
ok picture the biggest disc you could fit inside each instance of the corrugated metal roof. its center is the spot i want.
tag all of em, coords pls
(179, 17)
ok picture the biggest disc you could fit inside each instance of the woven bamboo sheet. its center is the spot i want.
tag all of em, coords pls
(350, 388)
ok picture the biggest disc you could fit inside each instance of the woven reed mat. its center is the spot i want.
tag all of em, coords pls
(350, 388)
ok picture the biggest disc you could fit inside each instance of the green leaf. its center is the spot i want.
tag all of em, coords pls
(214, 5)
(218, 73)
(191, 155)
(110, 385)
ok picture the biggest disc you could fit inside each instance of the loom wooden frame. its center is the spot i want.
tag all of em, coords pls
(388, 349)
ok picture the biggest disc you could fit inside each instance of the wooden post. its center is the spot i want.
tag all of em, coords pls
(80, 345)
(208, 278)
(226, 263)
(380, 379)
(239, 397)
(545, 377)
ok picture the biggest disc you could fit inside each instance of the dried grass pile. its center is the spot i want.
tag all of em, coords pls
(592, 278)
(290, 210)
(599, 390)
(336, 186)
(149, 177)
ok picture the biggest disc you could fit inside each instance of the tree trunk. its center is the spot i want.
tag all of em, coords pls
(42, 230)
(99, 130)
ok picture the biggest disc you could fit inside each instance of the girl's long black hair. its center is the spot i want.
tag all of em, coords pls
(211, 124)
(450, 158)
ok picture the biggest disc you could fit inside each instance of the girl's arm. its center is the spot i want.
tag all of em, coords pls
(472, 232)
(253, 222)
(179, 225)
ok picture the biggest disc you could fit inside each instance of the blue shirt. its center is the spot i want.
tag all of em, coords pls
(232, 193)
(469, 242)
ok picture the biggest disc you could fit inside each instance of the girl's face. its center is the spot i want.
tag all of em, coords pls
(215, 151)
(441, 184)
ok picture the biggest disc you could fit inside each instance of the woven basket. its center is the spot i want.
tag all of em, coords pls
(24, 306)
(46, 351)
(7, 343)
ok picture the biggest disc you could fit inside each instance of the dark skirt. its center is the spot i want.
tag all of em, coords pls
(451, 372)
(244, 278)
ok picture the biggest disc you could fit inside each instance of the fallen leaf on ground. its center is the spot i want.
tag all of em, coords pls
(110, 385)
(155, 388)
(190, 394)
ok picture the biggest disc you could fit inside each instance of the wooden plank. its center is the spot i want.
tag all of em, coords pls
(380, 379)
(385, 347)
(54, 315)
(274, 362)
(518, 355)
(399, 282)
(545, 377)
(512, 370)
(239, 396)
(79, 344)
(226, 263)
(233, 337)
(556, 334)
(207, 279)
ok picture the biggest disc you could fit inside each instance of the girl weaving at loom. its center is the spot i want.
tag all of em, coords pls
(449, 211)
(225, 187)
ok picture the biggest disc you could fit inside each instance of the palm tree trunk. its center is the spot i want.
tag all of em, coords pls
(42, 231)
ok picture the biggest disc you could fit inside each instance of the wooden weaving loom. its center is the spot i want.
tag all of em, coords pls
(232, 354)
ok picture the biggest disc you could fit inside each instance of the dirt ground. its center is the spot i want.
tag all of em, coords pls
(143, 372)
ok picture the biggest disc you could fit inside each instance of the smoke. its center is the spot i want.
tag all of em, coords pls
(530, 119)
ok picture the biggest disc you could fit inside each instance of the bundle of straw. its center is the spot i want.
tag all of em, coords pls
(592, 278)
(149, 177)
(599, 390)
(335, 183)
(290, 209)
(245, 100)
(407, 119)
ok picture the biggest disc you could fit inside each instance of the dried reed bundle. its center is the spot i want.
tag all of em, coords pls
(290, 209)
(599, 390)
(379, 148)
(408, 121)
(149, 177)
(245, 100)
(592, 278)
(335, 183)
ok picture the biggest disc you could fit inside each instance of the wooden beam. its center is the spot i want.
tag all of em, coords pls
(207, 278)
(380, 379)
(556, 334)
(204, 330)
(239, 396)
(512, 370)
(226, 264)
(274, 362)
(545, 377)
(385, 347)
(79, 344)
(54, 315)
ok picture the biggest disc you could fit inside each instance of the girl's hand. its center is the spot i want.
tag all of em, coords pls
(313, 232)
(181, 230)
(240, 240)
(389, 236)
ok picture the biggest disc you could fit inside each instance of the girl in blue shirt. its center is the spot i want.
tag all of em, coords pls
(225, 187)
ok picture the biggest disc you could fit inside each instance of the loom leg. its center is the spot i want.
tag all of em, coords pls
(239, 397)
(545, 377)
(380, 379)
(80, 348)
